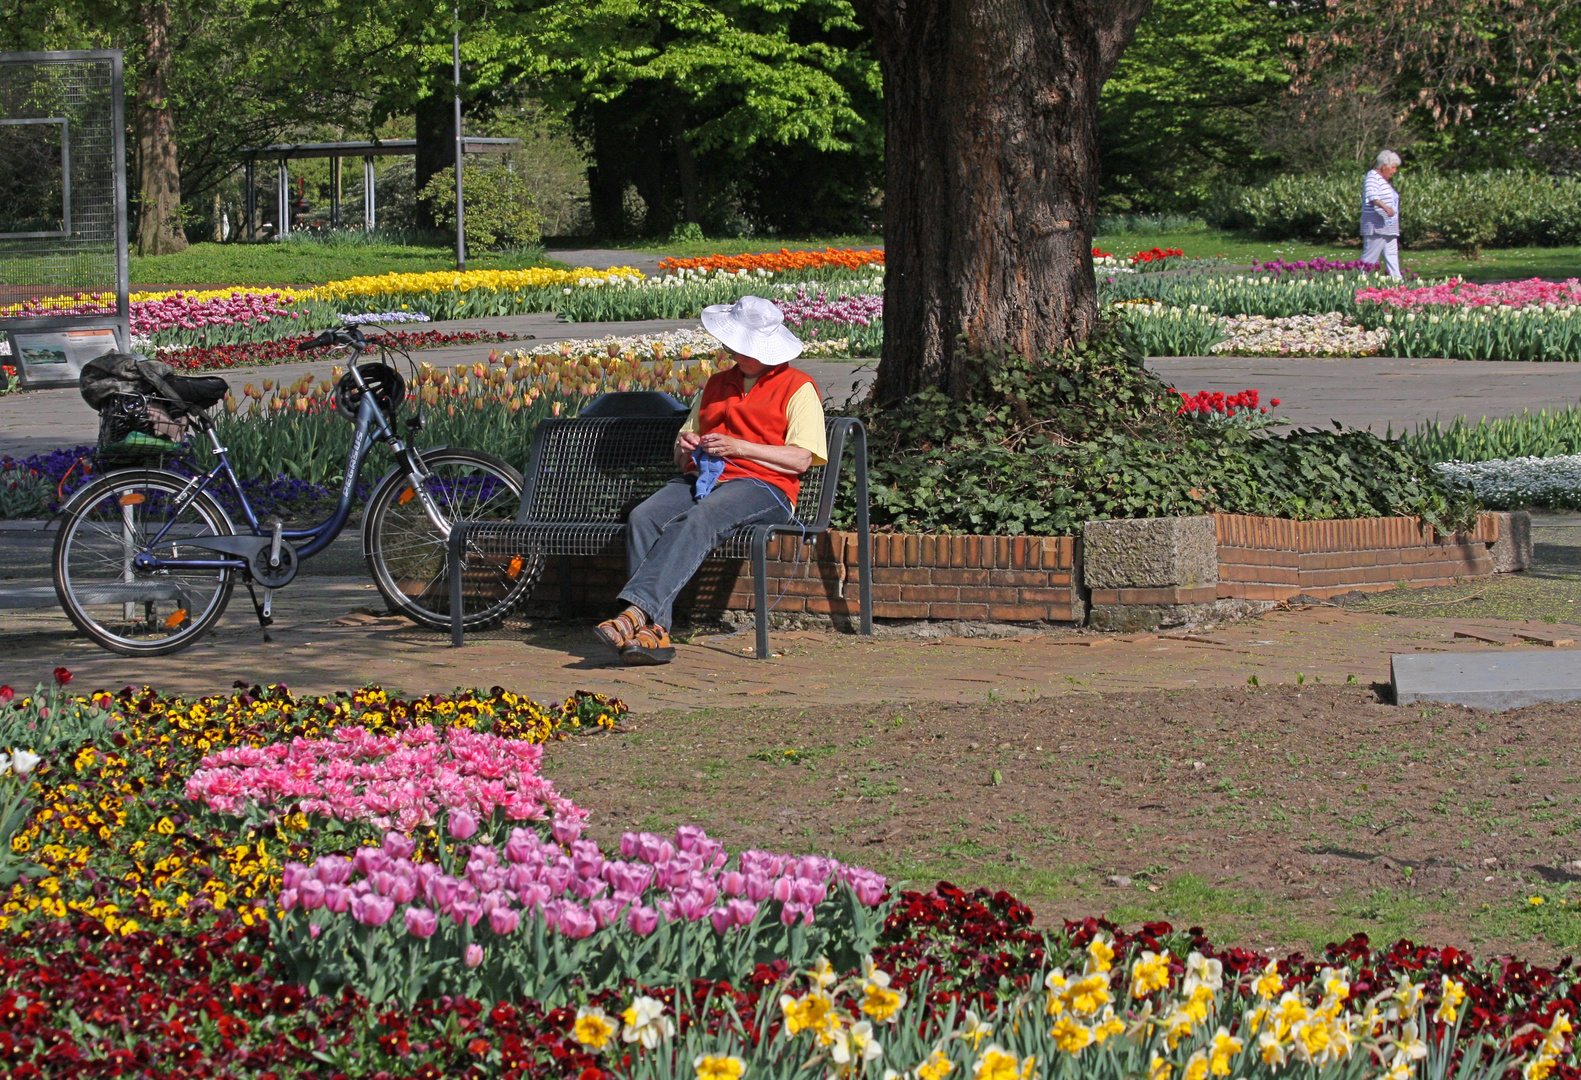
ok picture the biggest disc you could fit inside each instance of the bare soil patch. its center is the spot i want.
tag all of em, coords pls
(1276, 818)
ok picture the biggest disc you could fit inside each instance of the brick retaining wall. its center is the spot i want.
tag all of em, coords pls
(1038, 579)
(1274, 559)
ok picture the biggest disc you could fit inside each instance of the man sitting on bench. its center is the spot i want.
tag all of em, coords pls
(756, 427)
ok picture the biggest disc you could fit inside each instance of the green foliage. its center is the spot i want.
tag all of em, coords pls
(499, 207)
(1040, 447)
(306, 260)
(1542, 434)
(1493, 333)
(24, 494)
(1156, 330)
(1244, 294)
(1463, 210)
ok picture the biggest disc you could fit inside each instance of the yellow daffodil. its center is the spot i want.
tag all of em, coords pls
(719, 1067)
(1159, 1069)
(1100, 954)
(1201, 971)
(815, 1012)
(882, 1003)
(972, 1029)
(1451, 994)
(856, 1046)
(998, 1064)
(1223, 1049)
(1149, 972)
(937, 1067)
(1269, 984)
(644, 1022)
(1071, 1035)
(1107, 1027)
(1270, 1049)
(593, 1027)
(1197, 1004)
(1196, 1067)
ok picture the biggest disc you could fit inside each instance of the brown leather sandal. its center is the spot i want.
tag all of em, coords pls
(649, 648)
(622, 630)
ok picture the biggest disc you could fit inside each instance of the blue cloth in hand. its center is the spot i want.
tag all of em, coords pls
(709, 469)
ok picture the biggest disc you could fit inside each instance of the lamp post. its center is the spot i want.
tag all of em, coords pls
(461, 234)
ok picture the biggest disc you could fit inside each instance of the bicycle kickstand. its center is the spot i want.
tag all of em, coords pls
(265, 610)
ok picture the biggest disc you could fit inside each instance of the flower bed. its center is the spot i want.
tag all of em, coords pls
(321, 954)
(1329, 334)
(283, 350)
(1458, 294)
(780, 261)
(1515, 483)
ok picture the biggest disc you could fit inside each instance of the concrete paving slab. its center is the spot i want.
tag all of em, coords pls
(1499, 681)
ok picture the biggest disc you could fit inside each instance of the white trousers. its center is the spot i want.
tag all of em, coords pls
(1382, 249)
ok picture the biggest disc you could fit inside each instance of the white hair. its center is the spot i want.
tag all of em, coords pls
(1385, 159)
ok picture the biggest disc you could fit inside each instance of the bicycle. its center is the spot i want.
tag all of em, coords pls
(146, 558)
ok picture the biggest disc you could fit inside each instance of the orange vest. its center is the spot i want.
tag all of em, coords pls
(757, 415)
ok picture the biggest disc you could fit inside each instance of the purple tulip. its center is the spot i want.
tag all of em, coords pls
(722, 918)
(421, 922)
(585, 889)
(742, 911)
(811, 893)
(628, 845)
(474, 955)
(369, 861)
(463, 824)
(576, 922)
(292, 875)
(312, 893)
(504, 920)
(521, 846)
(383, 882)
(606, 910)
(332, 869)
(287, 899)
(337, 898)
(565, 829)
(586, 860)
(693, 905)
(793, 911)
(442, 890)
(687, 837)
(535, 895)
(642, 919)
(869, 888)
(372, 910)
(403, 889)
(556, 877)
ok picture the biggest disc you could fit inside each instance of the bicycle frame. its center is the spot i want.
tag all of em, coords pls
(372, 425)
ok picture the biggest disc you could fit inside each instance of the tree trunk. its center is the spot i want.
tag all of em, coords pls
(436, 148)
(991, 151)
(159, 230)
(685, 162)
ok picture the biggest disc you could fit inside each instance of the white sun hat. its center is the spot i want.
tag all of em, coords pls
(754, 327)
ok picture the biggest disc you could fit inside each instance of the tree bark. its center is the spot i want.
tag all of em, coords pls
(159, 230)
(436, 148)
(991, 152)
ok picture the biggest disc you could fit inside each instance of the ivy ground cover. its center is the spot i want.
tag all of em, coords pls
(837, 972)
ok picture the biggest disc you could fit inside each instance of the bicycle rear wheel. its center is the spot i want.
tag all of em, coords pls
(123, 609)
(406, 552)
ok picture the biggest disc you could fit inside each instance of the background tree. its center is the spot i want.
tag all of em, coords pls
(991, 144)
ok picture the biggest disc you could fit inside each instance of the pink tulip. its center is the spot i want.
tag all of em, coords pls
(687, 837)
(722, 918)
(811, 893)
(576, 922)
(565, 829)
(605, 911)
(287, 899)
(784, 889)
(463, 824)
(733, 883)
(474, 955)
(742, 911)
(337, 898)
(790, 913)
(404, 888)
(759, 887)
(421, 922)
(397, 846)
(642, 920)
(504, 920)
(312, 894)
(628, 843)
(292, 875)
(521, 846)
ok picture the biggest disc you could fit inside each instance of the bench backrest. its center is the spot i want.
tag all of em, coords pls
(596, 470)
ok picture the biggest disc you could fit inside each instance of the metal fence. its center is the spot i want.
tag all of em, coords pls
(63, 193)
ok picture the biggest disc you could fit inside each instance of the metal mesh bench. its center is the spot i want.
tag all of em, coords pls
(585, 475)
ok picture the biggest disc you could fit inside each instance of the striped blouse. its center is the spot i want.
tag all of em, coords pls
(1373, 221)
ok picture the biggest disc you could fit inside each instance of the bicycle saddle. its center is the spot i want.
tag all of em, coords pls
(198, 392)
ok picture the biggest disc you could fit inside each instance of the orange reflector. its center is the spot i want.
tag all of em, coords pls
(177, 617)
(405, 497)
(516, 567)
(131, 498)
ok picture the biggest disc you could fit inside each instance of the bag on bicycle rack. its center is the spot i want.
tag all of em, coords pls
(144, 407)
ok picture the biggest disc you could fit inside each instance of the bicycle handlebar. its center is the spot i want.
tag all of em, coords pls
(344, 335)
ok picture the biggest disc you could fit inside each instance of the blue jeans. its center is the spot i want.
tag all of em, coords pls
(669, 535)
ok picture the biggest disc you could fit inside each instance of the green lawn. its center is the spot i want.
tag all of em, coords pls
(1556, 262)
(691, 249)
(306, 263)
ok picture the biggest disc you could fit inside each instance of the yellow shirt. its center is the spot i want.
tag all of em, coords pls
(803, 421)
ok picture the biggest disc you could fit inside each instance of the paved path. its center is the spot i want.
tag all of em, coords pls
(1379, 391)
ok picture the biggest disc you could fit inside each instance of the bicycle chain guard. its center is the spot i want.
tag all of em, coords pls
(255, 550)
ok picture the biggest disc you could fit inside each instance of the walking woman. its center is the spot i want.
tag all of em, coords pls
(1380, 214)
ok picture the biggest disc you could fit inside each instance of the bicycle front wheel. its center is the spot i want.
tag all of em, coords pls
(130, 611)
(406, 551)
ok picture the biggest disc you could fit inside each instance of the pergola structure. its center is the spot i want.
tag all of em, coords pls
(282, 153)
